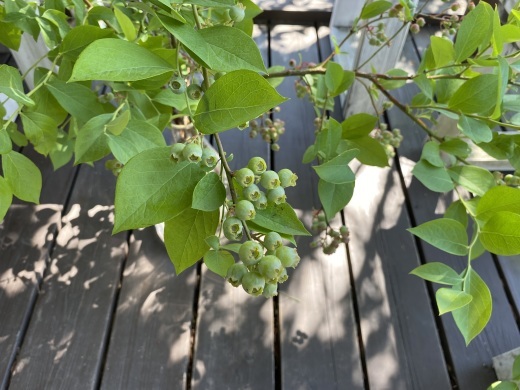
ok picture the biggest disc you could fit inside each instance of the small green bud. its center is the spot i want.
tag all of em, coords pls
(270, 290)
(250, 253)
(415, 28)
(257, 165)
(252, 193)
(270, 267)
(245, 210)
(235, 273)
(276, 195)
(269, 180)
(287, 178)
(253, 283)
(232, 228)
(288, 256)
(192, 152)
(272, 241)
(245, 177)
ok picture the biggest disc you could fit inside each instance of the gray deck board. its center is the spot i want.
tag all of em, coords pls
(76, 296)
(472, 364)
(319, 348)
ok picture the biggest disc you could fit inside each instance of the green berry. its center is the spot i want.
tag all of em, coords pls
(252, 193)
(287, 178)
(288, 256)
(176, 151)
(237, 13)
(269, 180)
(178, 85)
(283, 276)
(270, 290)
(270, 267)
(235, 274)
(194, 91)
(275, 147)
(253, 283)
(245, 210)
(250, 253)
(261, 203)
(209, 157)
(415, 28)
(192, 152)
(276, 195)
(232, 228)
(257, 165)
(272, 241)
(421, 22)
(245, 177)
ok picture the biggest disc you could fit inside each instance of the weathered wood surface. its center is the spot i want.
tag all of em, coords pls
(297, 5)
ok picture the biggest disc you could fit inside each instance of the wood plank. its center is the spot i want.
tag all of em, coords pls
(511, 269)
(296, 5)
(26, 236)
(149, 346)
(319, 347)
(231, 324)
(67, 334)
(472, 365)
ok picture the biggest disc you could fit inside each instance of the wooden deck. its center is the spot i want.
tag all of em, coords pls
(82, 309)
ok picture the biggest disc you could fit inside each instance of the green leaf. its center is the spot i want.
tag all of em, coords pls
(24, 178)
(126, 24)
(472, 318)
(475, 129)
(456, 147)
(219, 261)
(449, 299)
(152, 189)
(444, 233)
(516, 369)
(500, 198)
(280, 218)
(371, 152)
(457, 211)
(275, 81)
(213, 242)
(209, 193)
(437, 273)
(435, 178)
(475, 30)
(337, 171)
(234, 99)
(375, 8)
(206, 3)
(502, 71)
(501, 233)
(11, 85)
(394, 84)
(118, 125)
(443, 51)
(425, 85)
(41, 130)
(5, 141)
(337, 79)
(503, 385)
(185, 234)
(10, 35)
(78, 100)
(136, 138)
(309, 155)
(476, 96)
(334, 197)
(358, 125)
(92, 141)
(220, 48)
(80, 37)
(6, 197)
(234, 247)
(117, 60)
(475, 179)
(431, 153)
(327, 140)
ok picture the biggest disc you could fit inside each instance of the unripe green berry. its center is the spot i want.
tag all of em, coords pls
(287, 178)
(245, 210)
(270, 290)
(178, 85)
(176, 151)
(250, 253)
(272, 241)
(194, 91)
(245, 177)
(269, 180)
(257, 165)
(343, 230)
(270, 267)
(209, 157)
(192, 152)
(275, 147)
(414, 28)
(421, 22)
(232, 228)
(253, 283)
(237, 13)
(261, 203)
(276, 195)
(288, 256)
(283, 276)
(252, 193)
(235, 273)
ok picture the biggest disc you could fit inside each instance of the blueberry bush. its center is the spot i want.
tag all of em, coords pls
(123, 71)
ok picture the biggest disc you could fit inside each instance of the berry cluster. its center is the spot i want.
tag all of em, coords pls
(263, 265)
(512, 180)
(390, 140)
(115, 166)
(270, 130)
(376, 35)
(331, 238)
(193, 151)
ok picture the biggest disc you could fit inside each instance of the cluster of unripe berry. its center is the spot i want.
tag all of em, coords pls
(390, 140)
(509, 179)
(270, 130)
(115, 166)
(330, 238)
(262, 266)
(377, 36)
(194, 152)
